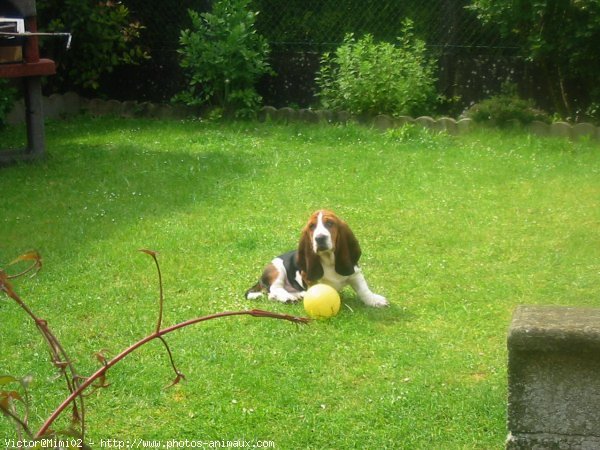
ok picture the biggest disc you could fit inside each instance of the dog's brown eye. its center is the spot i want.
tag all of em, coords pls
(329, 223)
(312, 226)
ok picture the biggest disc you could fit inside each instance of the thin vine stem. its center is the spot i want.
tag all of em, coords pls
(156, 335)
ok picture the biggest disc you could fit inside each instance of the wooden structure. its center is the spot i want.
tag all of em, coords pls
(30, 68)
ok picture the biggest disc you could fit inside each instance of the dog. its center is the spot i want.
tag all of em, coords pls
(328, 252)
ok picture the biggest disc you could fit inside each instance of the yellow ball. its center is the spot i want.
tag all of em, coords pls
(321, 301)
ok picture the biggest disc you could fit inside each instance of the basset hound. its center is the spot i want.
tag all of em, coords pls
(327, 253)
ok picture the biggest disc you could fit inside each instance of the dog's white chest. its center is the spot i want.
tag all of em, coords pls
(330, 276)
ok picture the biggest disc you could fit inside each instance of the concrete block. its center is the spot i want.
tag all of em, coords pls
(448, 125)
(539, 128)
(364, 119)
(84, 104)
(286, 115)
(164, 111)
(553, 378)
(324, 115)
(308, 116)
(266, 113)
(403, 120)
(181, 111)
(426, 121)
(343, 116)
(464, 125)
(584, 129)
(72, 103)
(98, 107)
(383, 122)
(129, 108)
(54, 106)
(113, 107)
(145, 109)
(561, 129)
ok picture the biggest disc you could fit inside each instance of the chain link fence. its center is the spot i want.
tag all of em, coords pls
(318, 24)
(322, 24)
(473, 59)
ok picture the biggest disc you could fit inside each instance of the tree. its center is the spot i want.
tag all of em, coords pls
(224, 57)
(104, 37)
(561, 38)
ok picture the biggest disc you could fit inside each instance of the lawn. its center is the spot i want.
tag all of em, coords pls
(455, 232)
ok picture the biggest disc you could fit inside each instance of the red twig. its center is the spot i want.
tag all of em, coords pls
(60, 359)
(161, 298)
(20, 422)
(58, 354)
(35, 265)
(156, 335)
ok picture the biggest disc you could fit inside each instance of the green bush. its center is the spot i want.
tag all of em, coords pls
(104, 37)
(224, 58)
(506, 108)
(560, 39)
(364, 76)
(8, 95)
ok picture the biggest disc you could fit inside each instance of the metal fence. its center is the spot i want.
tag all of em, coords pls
(472, 58)
(318, 24)
(323, 23)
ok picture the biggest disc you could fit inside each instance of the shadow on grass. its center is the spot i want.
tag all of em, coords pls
(392, 315)
(88, 186)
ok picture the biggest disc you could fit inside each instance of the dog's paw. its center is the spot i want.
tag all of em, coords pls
(254, 295)
(376, 301)
(283, 296)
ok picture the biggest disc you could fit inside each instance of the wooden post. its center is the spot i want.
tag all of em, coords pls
(34, 116)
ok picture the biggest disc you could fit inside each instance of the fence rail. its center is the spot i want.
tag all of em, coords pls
(472, 57)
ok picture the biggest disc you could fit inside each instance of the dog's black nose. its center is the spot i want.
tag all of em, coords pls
(321, 241)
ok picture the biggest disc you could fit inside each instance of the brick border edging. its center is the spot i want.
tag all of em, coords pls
(58, 106)
(446, 124)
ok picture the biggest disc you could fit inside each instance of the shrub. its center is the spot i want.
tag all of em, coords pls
(561, 39)
(103, 38)
(364, 76)
(506, 108)
(224, 58)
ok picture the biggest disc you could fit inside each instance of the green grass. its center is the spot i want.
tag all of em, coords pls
(455, 232)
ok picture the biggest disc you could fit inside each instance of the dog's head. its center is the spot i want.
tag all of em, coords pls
(325, 232)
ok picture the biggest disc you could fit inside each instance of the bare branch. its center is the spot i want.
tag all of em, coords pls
(58, 355)
(35, 265)
(100, 372)
(160, 286)
(21, 423)
(178, 375)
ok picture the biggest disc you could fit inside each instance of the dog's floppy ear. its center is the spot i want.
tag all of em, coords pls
(306, 258)
(347, 250)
